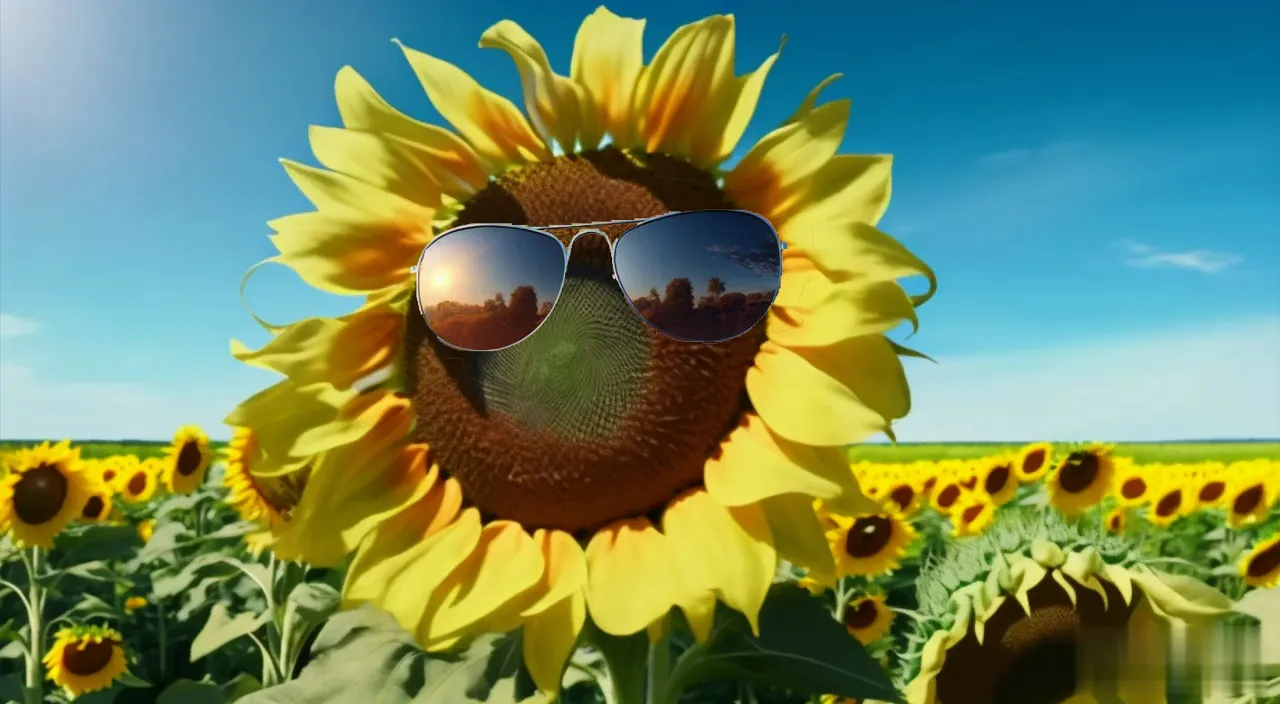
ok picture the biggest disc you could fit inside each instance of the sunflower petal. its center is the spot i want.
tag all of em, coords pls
(831, 312)
(553, 102)
(845, 252)
(489, 122)
(827, 415)
(549, 638)
(849, 188)
(798, 535)
(340, 351)
(754, 464)
(448, 157)
(810, 100)
(732, 112)
(727, 550)
(619, 557)
(607, 59)
(776, 172)
(566, 569)
(357, 418)
(281, 413)
(382, 161)
(395, 571)
(1180, 596)
(680, 87)
(347, 254)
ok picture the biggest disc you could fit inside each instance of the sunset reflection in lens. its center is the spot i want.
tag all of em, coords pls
(489, 286)
(702, 276)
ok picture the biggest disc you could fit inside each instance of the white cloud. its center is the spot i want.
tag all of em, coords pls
(14, 326)
(34, 407)
(1216, 381)
(1143, 256)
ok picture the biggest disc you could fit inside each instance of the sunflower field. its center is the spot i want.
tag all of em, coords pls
(1062, 571)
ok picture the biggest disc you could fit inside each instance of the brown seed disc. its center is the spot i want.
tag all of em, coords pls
(189, 459)
(1247, 501)
(1265, 562)
(39, 494)
(1078, 472)
(89, 659)
(868, 536)
(595, 417)
(861, 615)
(93, 507)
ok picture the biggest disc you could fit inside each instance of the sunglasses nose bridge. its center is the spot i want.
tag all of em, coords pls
(587, 231)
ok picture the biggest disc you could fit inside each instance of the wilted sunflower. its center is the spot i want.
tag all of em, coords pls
(869, 544)
(137, 481)
(1081, 480)
(997, 479)
(43, 491)
(867, 618)
(618, 421)
(85, 659)
(187, 460)
(1039, 624)
(1132, 483)
(972, 515)
(1260, 567)
(1034, 461)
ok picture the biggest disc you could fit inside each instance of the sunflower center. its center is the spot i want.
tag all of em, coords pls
(1169, 504)
(1247, 501)
(996, 480)
(1212, 490)
(93, 507)
(1078, 472)
(902, 495)
(40, 494)
(1133, 488)
(860, 615)
(970, 482)
(108, 475)
(1116, 521)
(87, 658)
(1264, 562)
(970, 514)
(868, 536)
(188, 459)
(948, 496)
(595, 417)
(137, 483)
(1033, 462)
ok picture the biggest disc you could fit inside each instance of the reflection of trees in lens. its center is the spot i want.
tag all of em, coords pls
(495, 323)
(719, 315)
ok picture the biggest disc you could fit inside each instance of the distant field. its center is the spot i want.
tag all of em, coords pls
(1140, 452)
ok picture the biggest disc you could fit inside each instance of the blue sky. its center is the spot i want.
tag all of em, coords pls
(1089, 179)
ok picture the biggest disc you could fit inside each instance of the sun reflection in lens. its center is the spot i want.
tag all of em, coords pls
(440, 279)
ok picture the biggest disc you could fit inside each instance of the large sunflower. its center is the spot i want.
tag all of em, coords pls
(598, 457)
(1082, 479)
(44, 490)
(1042, 623)
(187, 460)
(85, 659)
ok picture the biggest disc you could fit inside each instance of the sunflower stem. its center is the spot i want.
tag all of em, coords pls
(273, 618)
(162, 637)
(34, 691)
(658, 670)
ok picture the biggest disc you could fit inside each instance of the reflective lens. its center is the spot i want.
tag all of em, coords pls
(702, 276)
(485, 287)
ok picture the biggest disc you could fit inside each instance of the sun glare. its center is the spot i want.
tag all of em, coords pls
(440, 279)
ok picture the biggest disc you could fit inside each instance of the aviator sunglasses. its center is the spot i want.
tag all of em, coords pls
(697, 276)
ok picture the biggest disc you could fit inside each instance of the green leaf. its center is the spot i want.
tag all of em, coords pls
(97, 541)
(365, 656)
(231, 530)
(95, 571)
(180, 502)
(222, 628)
(800, 647)
(101, 696)
(17, 643)
(173, 579)
(242, 685)
(163, 541)
(191, 692)
(91, 607)
(312, 602)
(625, 659)
(128, 679)
(11, 686)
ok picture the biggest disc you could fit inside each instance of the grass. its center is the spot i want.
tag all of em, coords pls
(98, 448)
(1169, 452)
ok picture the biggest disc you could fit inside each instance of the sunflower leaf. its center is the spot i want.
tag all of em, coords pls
(163, 541)
(95, 571)
(222, 628)
(191, 692)
(91, 607)
(96, 542)
(800, 647)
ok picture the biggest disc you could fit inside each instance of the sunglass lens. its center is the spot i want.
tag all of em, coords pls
(486, 287)
(701, 276)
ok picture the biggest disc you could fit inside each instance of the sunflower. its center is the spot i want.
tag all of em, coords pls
(1260, 567)
(972, 515)
(869, 544)
(137, 480)
(997, 479)
(867, 618)
(85, 659)
(627, 455)
(1116, 520)
(1247, 500)
(1042, 623)
(1168, 503)
(902, 495)
(187, 460)
(146, 529)
(109, 470)
(948, 493)
(43, 491)
(1132, 483)
(97, 507)
(134, 603)
(246, 493)
(1034, 461)
(1081, 480)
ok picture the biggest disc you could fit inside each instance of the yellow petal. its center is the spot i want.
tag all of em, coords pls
(798, 535)
(356, 419)
(626, 589)
(504, 564)
(720, 132)
(849, 188)
(607, 60)
(280, 414)
(396, 571)
(489, 122)
(1180, 596)
(828, 414)
(830, 312)
(452, 162)
(553, 102)
(549, 638)
(699, 607)
(679, 88)
(726, 549)
(346, 254)
(754, 464)
(810, 100)
(383, 161)
(340, 351)
(343, 195)
(775, 173)
(845, 253)
(566, 569)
